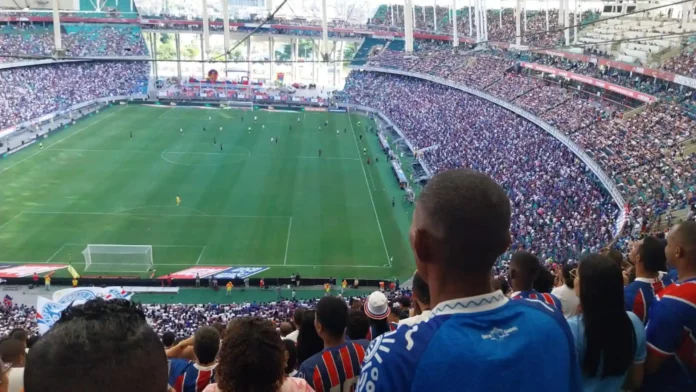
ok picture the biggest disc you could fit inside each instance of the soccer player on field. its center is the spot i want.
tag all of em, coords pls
(214, 140)
(461, 225)
(671, 329)
(337, 367)
(178, 200)
(193, 376)
(220, 146)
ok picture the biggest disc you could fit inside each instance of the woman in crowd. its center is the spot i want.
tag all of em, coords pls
(253, 358)
(610, 342)
(308, 341)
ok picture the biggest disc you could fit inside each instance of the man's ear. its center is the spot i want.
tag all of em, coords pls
(424, 246)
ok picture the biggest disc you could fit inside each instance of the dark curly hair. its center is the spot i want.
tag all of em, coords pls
(251, 357)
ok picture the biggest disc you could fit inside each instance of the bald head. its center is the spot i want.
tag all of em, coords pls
(681, 246)
(462, 222)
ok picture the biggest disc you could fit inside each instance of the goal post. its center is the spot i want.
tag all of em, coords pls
(118, 258)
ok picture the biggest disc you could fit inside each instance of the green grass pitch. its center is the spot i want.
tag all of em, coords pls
(255, 203)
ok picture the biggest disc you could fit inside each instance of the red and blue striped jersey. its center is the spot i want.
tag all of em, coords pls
(335, 369)
(671, 334)
(668, 278)
(548, 299)
(372, 332)
(640, 295)
(188, 376)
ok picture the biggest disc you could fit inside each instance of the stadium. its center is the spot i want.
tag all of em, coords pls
(196, 175)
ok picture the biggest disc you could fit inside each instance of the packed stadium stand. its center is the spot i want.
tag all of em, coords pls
(79, 40)
(517, 241)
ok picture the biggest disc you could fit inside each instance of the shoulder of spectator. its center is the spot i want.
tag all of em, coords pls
(392, 357)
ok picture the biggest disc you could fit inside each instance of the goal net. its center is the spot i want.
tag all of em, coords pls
(118, 258)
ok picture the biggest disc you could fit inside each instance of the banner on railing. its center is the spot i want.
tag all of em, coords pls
(591, 81)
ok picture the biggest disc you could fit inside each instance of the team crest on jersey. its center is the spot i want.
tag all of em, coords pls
(499, 334)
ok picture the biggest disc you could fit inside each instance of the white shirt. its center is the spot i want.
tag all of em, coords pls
(293, 335)
(411, 321)
(16, 379)
(569, 300)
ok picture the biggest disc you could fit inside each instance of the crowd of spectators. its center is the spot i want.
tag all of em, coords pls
(13, 316)
(684, 63)
(501, 28)
(605, 323)
(90, 40)
(651, 168)
(30, 92)
(560, 211)
(542, 99)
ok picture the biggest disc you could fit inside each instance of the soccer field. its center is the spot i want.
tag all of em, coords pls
(255, 203)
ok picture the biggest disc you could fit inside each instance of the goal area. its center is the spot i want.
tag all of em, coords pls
(118, 258)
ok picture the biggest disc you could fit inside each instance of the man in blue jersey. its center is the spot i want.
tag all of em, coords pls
(193, 376)
(671, 330)
(524, 270)
(475, 339)
(336, 368)
(104, 346)
(648, 258)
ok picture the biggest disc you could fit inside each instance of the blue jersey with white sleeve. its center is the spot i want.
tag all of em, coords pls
(483, 343)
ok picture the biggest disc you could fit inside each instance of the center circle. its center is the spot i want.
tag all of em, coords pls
(210, 155)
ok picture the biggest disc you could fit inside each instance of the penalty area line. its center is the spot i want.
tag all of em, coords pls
(200, 255)
(287, 243)
(55, 254)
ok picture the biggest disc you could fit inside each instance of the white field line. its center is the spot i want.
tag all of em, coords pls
(154, 246)
(202, 153)
(200, 255)
(379, 226)
(287, 243)
(226, 265)
(11, 219)
(166, 112)
(121, 211)
(162, 215)
(60, 141)
(55, 254)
